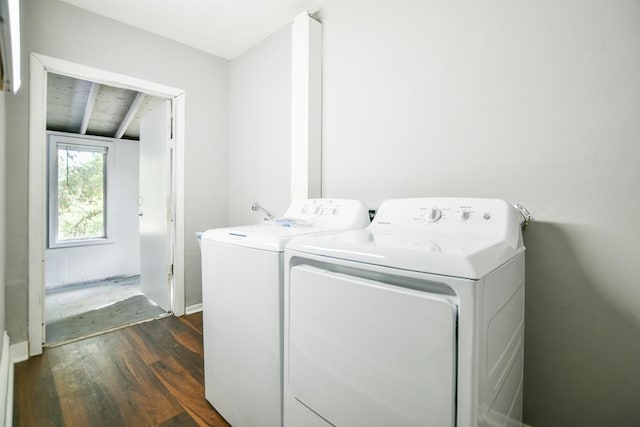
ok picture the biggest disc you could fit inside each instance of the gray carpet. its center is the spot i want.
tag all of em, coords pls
(130, 310)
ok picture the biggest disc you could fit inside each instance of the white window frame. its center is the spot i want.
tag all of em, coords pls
(54, 139)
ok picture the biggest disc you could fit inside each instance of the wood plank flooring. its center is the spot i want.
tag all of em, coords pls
(150, 374)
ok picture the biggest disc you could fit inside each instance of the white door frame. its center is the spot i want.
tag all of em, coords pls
(40, 65)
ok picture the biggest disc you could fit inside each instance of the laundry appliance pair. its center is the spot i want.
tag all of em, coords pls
(415, 320)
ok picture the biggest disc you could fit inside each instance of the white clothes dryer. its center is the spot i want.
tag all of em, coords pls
(242, 282)
(417, 320)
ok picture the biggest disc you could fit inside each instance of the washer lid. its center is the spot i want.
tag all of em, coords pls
(456, 237)
(302, 217)
(268, 236)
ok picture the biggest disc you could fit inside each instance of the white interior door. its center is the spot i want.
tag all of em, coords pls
(155, 205)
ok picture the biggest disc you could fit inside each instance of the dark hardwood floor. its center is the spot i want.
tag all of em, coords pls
(151, 374)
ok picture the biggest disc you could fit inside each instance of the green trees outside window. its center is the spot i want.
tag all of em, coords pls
(81, 192)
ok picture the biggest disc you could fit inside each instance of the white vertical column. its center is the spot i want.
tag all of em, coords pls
(306, 107)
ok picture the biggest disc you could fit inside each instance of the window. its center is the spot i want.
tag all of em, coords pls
(78, 190)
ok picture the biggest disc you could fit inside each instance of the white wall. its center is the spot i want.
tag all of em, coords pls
(532, 102)
(535, 102)
(121, 257)
(59, 30)
(260, 129)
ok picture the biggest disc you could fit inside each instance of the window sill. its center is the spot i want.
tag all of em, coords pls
(80, 243)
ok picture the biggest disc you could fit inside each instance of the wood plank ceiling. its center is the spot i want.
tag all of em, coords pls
(88, 108)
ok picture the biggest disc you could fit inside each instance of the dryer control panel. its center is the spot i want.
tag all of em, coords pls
(450, 217)
(461, 213)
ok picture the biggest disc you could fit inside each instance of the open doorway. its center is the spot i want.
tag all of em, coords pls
(162, 211)
(105, 145)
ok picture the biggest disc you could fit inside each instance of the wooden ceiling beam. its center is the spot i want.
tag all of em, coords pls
(88, 108)
(131, 113)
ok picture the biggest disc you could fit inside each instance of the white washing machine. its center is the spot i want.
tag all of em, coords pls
(417, 320)
(242, 282)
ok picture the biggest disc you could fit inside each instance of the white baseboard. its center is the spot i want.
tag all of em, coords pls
(8, 416)
(6, 382)
(19, 352)
(195, 308)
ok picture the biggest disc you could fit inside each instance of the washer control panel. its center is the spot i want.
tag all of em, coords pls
(329, 212)
(319, 207)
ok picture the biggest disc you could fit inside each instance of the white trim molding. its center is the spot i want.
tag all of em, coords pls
(40, 66)
(178, 299)
(195, 308)
(6, 382)
(19, 352)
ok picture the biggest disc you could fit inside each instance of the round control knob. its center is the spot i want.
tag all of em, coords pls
(434, 215)
(463, 215)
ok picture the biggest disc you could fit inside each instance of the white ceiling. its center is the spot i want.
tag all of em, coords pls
(222, 27)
